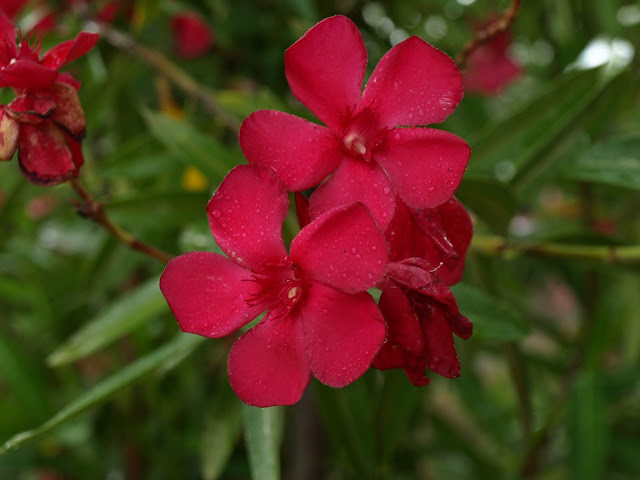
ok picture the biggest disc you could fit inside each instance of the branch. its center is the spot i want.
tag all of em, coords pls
(95, 211)
(485, 34)
(500, 246)
(161, 63)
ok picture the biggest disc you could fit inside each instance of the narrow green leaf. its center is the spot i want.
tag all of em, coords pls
(508, 149)
(396, 404)
(588, 429)
(107, 388)
(493, 202)
(263, 435)
(192, 146)
(615, 161)
(168, 209)
(492, 320)
(348, 417)
(120, 318)
(22, 379)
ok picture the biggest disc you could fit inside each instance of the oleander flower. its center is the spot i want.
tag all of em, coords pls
(374, 143)
(22, 66)
(191, 35)
(422, 316)
(438, 235)
(319, 318)
(45, 123)
(490, 68)
(46, 126)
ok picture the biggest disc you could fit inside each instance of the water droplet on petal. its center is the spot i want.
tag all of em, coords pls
(216, 213)
(354, 250)
(370, 275)
(386, 190)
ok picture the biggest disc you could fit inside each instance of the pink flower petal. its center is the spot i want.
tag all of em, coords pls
(441, 356)
(209, 294)
(27, 74)
(343, 248)
(300, 152)
(191, 34)
(9, 132)
(268, 365)
(246, 215)
(444, 233)
(356, 181)
(68, 114)
(342, 333)
(414, 84)
(403, 330)
(9, 49)
(400, 233)
(425, 165)
(30, 108)
(44, 156)
(68, 51)
(325, 69)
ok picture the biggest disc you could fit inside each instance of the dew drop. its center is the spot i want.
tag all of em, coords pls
(370, 275)
(386, 190)
(354, 250)
(216, 213)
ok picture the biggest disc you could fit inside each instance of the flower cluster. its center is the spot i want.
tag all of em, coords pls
(381, 214)
(45, 123)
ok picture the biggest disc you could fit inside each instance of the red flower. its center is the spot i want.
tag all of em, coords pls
(191, 35)
(45, 122)
(319, 317)
(11, 8)
(490, 68)
(439, 235)
(414, 84)
(421, 315)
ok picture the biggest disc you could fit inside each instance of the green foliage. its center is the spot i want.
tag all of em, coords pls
(94, 377)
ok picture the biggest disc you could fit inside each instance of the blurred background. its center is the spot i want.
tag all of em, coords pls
(550, 385)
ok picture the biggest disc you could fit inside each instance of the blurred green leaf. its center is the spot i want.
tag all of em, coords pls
(493, 202)
(107, 388)
(396, 405)
(588, 429)
(118, 319)
(615, 161)
(492, 319)
(348, 417)
(192, 146)
(534, 130)
(222, 430)
(165, 209)
(263, 429)
(19, 374)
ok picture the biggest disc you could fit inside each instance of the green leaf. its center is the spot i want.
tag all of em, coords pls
(23, 379)
(493, 202)
(221, 429)
(263, 435)
(588, 429)
(615, 161)
(191, 146)
(492, 320)
(348, 417)
(397, 402)
(107, 388)
(165, 209)
(117, 320)
(508, 149)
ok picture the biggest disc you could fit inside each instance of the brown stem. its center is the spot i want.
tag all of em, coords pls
(95, 211)
(490, 31)
(161, 63)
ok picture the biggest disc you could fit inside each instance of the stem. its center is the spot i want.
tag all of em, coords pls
(95, 211)
(500, 246)
(161, 63)
(490, 31)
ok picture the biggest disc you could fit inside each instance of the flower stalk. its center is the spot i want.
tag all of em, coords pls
(503, 247)
(95, 211)
(162, 64)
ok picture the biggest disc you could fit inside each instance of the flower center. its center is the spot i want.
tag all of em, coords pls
(361, 135)
(280, 287)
